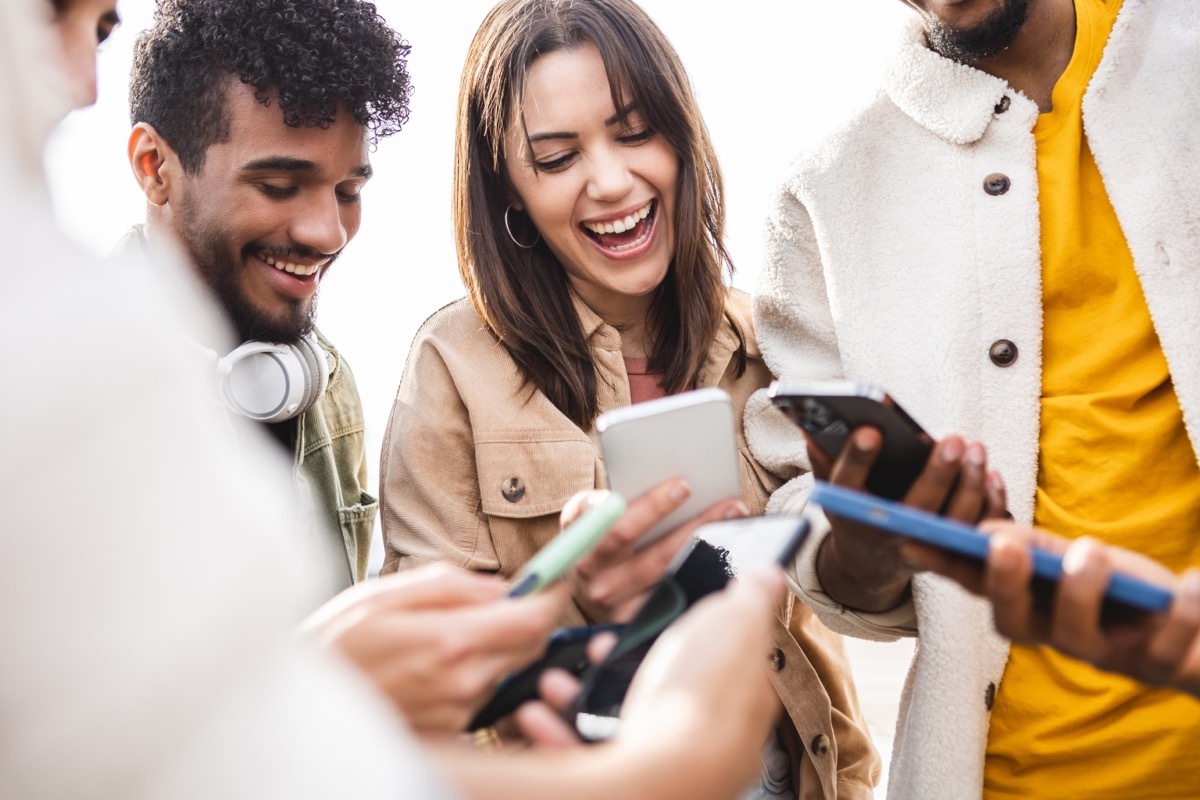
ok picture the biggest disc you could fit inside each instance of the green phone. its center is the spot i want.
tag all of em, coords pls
(573, 543)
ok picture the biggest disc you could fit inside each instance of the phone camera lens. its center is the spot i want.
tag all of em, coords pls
(816, 417)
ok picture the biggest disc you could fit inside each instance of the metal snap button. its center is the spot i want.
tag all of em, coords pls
(513, 489)
(819, 745)
(1003, 353)
(1003, 105)
(778, 660)
(989, 696)
(996, 184)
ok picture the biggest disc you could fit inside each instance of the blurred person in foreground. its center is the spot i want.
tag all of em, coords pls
(156, 658)
(81, 27)
(1004, 238)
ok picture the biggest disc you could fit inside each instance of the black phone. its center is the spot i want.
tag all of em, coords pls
(566, 649)
(717, 552)
(829, 411)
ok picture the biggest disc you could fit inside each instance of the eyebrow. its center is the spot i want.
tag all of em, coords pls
(628, 109)
(288, 164)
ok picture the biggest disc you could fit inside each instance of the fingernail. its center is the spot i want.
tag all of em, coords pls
(952, 449)
(976, 456)
(1190, 587)
(864, 441)
(1078, 554)
(995, 481)
(679, 491)
(1002, 555)
(738, 511)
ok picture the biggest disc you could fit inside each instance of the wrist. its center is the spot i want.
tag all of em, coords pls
(870, 581)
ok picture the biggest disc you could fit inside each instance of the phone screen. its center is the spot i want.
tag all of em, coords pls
(718, 552)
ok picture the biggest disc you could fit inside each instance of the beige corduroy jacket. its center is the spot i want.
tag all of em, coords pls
(476, 469)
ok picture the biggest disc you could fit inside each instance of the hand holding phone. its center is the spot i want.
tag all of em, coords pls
(717, 552)
(1125, 597)
(688, 436)
(1160, 649)
(861, 439)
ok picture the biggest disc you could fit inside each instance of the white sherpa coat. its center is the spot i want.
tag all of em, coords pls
(888, 262)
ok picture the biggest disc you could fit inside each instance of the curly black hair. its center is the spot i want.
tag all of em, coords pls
(305, 55)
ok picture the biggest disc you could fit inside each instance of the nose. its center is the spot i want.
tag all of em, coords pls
(321, 224)
(79, 51)
(610, 178)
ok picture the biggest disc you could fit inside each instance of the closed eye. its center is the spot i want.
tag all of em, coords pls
(278, 192)
(637, 137)
(554, 164)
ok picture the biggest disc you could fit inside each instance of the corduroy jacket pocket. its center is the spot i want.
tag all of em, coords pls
(522, 478)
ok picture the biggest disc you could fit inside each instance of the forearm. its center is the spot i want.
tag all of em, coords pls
(599, 772)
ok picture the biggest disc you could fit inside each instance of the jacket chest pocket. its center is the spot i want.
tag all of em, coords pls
(524, 479)
(523, 485)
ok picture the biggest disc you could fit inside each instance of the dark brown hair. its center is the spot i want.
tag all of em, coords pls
(521, 295)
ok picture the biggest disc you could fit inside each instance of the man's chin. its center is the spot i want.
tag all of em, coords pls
(255, 325)
(985, 39)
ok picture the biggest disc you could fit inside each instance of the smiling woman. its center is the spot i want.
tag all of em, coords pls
(589, 222)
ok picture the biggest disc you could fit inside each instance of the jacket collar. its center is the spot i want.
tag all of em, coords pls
(596, 331)
(954, 101)
(600, 334)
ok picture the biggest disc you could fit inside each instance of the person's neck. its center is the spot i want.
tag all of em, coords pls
(633, 335)
(1039, 54)
(629, 315)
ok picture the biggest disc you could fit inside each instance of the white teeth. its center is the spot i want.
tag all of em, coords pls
(293, 269)
(620, 225)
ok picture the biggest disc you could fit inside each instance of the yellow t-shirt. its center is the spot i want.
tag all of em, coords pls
(1115, 462)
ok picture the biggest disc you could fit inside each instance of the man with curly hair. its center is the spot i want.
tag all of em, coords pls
(252, 124)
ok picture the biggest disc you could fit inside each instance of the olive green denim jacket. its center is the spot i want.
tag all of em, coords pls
(330, 467)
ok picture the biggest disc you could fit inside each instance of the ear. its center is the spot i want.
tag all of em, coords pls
(153, 162)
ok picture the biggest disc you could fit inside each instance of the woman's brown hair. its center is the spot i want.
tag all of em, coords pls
(522, 295)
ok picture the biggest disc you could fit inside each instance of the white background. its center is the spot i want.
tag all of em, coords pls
(771, 78)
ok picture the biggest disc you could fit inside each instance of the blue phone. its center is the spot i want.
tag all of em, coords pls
(1125, 594)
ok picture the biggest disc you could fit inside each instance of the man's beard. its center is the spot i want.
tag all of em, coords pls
(208, 251)
(991, 36)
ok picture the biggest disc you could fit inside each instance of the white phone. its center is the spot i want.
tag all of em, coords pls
(689, 436)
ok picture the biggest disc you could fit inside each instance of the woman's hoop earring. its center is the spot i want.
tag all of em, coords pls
(522, 245)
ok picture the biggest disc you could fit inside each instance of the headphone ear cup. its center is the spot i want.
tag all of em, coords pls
(274, 382)
(316, 365)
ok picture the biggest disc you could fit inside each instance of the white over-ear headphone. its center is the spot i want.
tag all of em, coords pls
(273, 382)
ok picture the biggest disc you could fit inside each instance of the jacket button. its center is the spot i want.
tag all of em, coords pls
(1003, 353)
(1003, 105)
(996, 184)
(513, 489)
(778, 661)
(819, 745)
(989, 696)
